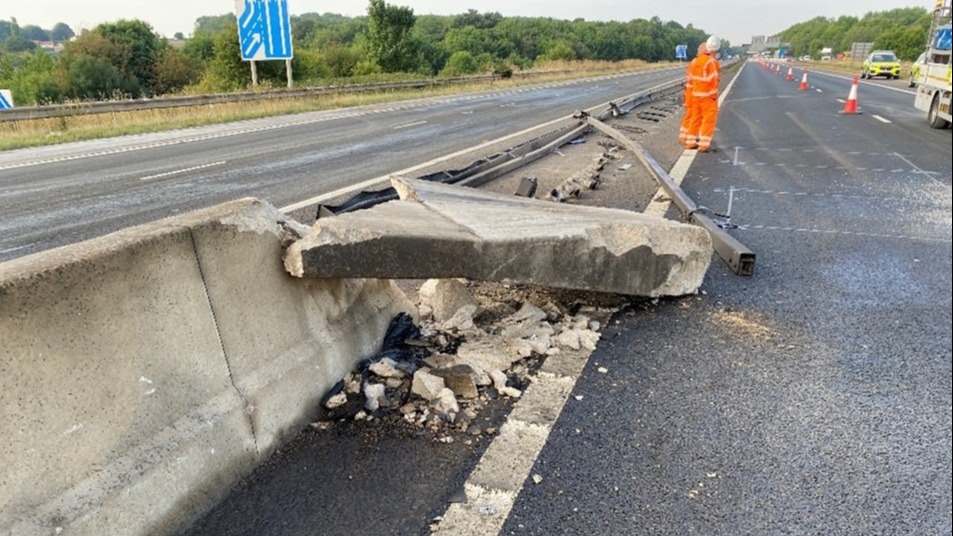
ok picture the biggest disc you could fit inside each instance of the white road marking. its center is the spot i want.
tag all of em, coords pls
(842, 101)
(495, 483)
(660, 201)
(181, 171)
(882, 120)
(919, 171)
(409, 125)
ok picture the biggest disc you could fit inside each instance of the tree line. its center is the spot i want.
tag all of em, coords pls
(902, 30)
(128, 58)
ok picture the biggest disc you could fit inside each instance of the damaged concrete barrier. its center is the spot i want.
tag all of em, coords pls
(440, 231)
(143, 373)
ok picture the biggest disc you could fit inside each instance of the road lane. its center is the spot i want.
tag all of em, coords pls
(59, 195)
(813, 398)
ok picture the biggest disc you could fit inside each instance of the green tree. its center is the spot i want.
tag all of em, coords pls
(389, 40)
(35, 33)
(176, 70)
(213, 25)
(94, 78)
(61, 33)
(32, 79)
(145, 48)
(226, 71)
(201, 47)
(7, 29)
(479, 21)
(907, 43)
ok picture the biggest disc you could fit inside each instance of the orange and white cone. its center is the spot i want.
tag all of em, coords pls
(804, 86)
(850, 107)
(790, 74)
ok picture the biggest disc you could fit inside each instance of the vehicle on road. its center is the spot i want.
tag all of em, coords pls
(933, 82)
(881, 63)
(915, 70)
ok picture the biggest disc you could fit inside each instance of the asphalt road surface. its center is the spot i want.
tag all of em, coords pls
(812, 398)
(59, 195)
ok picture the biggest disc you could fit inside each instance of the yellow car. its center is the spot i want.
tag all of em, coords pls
(915, 70)
(881, 63)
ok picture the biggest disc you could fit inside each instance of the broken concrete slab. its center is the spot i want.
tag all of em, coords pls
(440, 231)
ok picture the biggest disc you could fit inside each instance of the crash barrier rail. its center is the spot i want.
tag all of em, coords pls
(145, 372)
(739, 258)
(495, 166)
(92, 108)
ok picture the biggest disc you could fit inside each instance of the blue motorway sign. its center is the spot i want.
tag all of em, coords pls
(681, 52)
(6, 99)
(264, 29)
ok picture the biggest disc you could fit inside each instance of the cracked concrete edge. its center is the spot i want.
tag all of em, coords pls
(128, 407)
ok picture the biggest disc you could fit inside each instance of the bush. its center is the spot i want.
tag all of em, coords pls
(461, 63)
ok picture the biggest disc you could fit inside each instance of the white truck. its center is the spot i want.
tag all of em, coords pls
(933, 85)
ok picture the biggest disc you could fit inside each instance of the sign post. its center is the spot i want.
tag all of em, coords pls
(6, 99)
(264, 33)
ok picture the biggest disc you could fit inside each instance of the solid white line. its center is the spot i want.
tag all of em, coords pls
(496, 482)
(14, 249)
(660, 201)
(920, 171)
(181, 171)
(882, 120)
(867, 84)
(408, 125)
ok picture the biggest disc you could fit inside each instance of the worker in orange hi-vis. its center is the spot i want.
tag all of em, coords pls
(690, 108)
(706, 77)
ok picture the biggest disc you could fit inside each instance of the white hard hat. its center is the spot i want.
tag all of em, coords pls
(713, 44)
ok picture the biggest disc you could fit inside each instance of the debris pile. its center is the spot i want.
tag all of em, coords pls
(588, 179)
(466, 352)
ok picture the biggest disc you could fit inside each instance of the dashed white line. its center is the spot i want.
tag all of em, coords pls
(882, 120)
(410, 125)
(181, 171)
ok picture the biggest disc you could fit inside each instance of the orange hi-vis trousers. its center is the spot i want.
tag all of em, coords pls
(705, 75)
(704, 121)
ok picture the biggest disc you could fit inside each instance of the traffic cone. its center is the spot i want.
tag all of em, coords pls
(790, 74)
(850, 107)
(803, 83)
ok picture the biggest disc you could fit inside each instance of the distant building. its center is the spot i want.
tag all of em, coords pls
(49, 46)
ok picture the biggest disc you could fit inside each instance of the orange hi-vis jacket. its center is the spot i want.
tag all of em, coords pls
(705, 76)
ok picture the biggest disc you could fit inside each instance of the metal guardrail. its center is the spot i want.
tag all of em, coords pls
(92, 108)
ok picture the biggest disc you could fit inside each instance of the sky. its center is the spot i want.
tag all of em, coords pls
(734, 20)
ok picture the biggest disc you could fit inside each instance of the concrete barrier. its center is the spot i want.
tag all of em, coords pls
(143, 373)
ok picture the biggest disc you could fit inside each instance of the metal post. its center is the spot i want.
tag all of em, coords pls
(291, 82)
(254, 73)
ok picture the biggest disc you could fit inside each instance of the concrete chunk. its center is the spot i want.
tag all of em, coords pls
(440, 231)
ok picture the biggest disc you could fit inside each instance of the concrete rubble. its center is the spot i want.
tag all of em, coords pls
(440, 378)
(439, 231)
